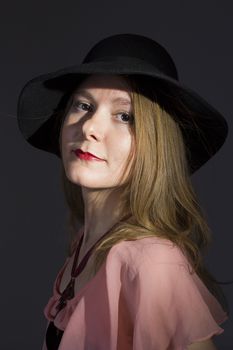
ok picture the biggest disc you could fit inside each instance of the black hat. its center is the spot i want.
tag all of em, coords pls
(204, 129)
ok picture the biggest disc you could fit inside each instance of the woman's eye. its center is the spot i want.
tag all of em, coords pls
(82, 106)
(125, 117)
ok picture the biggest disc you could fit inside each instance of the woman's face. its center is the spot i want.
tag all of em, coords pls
(98, 122)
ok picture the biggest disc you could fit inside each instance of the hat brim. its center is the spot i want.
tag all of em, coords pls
(204, 129)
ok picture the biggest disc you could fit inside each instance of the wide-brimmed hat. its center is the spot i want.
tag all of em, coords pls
(43, 98)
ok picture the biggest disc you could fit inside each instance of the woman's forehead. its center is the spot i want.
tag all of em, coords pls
(104, 81)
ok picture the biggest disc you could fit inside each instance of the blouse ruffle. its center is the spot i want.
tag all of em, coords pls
(143, 297)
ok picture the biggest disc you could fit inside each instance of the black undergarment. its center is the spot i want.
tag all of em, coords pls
(53, 336)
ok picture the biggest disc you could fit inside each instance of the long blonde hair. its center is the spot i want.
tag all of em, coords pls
(158, 198)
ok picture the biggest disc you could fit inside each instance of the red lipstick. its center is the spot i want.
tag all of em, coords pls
(85, 155)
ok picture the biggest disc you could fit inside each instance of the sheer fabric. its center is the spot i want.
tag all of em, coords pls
(142, 297)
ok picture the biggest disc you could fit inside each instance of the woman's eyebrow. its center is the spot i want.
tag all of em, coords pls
(121, 100)
(84, 93)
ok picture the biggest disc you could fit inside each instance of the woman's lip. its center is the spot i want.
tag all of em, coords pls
(85, 155)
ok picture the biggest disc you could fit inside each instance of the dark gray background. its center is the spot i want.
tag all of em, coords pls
(38, 37)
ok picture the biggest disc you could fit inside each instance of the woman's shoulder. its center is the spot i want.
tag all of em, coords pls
(148, 250)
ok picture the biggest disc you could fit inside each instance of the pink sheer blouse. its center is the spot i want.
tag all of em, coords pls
(142, 297)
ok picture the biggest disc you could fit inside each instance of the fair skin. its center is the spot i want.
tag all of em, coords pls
(99, 122)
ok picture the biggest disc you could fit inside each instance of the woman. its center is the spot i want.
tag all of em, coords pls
(129, 136)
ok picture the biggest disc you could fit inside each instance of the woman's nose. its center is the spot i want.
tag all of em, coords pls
(95, 125)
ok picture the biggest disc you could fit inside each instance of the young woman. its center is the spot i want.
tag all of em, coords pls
(129, 137)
